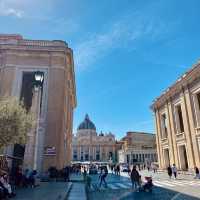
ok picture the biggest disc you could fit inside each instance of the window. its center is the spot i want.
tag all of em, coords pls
(110, 155)
(197, 109)
(164, 125)
(75, 157)
(179, 119)
(198, 100)
(27, 89)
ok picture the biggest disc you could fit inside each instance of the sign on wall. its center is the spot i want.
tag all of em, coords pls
(50, 151)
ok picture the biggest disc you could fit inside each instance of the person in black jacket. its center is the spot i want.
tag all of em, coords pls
(103, 176)
(169, 171)
(196, 172)
(135, 178)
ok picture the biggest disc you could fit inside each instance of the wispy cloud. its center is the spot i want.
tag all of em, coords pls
(7, 9)
(128, 29)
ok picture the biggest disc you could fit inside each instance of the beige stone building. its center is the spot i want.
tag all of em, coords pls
(177, 116)
(87, 145)
(138, 148)
(49, 143)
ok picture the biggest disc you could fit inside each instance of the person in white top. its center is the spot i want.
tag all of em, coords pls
(174, 171)
(5, 184)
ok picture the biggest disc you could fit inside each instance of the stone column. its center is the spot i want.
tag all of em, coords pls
(158, 136)
(192, 128)
(173, 133)
(187, 131)
(30, 144)
(157, 140)
(171, 146)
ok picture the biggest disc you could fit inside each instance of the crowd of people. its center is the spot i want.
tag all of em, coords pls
(115, 169)
(27, 178)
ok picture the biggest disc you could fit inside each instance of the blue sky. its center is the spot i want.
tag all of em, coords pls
(126, 52)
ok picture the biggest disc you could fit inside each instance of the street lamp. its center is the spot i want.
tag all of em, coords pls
(38, 82)
(39, 77)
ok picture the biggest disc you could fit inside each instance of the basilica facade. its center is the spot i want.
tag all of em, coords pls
(88, 145)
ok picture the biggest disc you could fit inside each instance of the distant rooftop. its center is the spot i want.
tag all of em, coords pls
(16, 39)
(138, 132)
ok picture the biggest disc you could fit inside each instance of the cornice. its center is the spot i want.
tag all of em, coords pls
(182, 83)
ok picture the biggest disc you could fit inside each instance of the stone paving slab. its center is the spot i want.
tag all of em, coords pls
(77, 192)
(46, 191)
(76, 177)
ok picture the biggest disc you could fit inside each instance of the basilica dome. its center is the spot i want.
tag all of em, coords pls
(87, 124)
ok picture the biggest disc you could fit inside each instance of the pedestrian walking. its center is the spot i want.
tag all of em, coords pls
(169, 171)
(84, 173)
(196, 173)
(174, 171)
(103, 175)
(118, 170)
(66, 173)
(128, 170)
(154, 167)
(112, 168)
(135, 178)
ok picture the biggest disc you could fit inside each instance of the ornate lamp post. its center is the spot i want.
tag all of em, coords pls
(39, 78)
(38, 82)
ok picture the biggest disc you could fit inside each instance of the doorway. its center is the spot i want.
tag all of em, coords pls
(166, 158)
(183, 158)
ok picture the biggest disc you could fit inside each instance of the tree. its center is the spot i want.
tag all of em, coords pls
(15, 122)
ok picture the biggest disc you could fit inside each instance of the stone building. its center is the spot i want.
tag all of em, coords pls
(177, 117)
(87, 145)
(49, 144)
(138, 148)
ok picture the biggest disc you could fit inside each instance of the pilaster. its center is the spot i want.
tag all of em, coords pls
(159, 147)
(196, 155)
(157, 141)
(173, 133)
(187, 131)
(171, 147)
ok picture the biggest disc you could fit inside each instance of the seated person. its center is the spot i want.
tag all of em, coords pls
(7, 190)
(148, 184)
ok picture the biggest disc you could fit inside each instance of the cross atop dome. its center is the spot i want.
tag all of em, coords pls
(87, 117)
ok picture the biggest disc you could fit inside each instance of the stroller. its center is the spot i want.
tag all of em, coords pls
(148, 185)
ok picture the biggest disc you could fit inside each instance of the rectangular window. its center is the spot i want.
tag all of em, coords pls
(196, 99)
(164, 125)
(179, 119)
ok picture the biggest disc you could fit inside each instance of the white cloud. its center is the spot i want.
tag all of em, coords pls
(100, 44)
(29, 9)
(7, 9)
(120, 34)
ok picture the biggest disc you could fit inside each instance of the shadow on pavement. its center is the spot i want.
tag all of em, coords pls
(157, 194)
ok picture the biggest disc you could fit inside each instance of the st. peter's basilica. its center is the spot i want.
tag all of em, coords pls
(88, 145)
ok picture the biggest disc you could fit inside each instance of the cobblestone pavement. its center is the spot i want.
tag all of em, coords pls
(77, 192)
(46, 191)
(119, 188)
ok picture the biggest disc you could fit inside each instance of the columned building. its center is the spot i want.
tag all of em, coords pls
(87, 145)
(138, 148)
(177, 118)
(53, 102)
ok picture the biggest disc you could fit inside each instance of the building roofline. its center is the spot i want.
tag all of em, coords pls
(181, 82)
(139, 132)
(16, 39)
